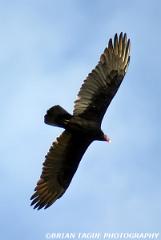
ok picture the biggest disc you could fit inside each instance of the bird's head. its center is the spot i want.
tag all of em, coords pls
(106, 138)
(103, 137)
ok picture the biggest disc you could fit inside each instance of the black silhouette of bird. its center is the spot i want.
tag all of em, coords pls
(84, 125)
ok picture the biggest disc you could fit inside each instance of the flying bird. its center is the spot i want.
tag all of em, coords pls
(84, 125)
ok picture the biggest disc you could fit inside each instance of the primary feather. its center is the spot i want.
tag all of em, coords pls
(84, 126)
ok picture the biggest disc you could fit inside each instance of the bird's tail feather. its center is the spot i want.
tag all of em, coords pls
(57, 116)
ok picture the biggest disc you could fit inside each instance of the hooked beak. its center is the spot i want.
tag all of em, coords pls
(107, 139)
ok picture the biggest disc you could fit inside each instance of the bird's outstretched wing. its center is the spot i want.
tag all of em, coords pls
(102, 83)
(59, 166)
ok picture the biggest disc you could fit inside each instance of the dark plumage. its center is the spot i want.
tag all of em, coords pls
(84, 126)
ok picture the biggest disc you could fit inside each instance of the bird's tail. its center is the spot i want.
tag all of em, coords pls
(57, 116)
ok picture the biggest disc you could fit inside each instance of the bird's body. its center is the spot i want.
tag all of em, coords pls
(73, 124)
(84, 126)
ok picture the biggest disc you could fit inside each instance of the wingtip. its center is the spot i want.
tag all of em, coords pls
(116, 35)
(129, 44)
(125, 35)
(116, 38)
(110, 45)
(40, 201)
(34, 195)
(120, 36)
(48, 205)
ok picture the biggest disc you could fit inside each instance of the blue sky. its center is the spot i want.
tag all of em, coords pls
(47, 48)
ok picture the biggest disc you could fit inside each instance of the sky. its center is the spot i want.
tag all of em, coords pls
(47, 48)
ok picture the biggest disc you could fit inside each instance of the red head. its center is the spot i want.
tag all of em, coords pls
(107, 139)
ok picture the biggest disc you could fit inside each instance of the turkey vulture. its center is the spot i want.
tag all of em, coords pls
(84, 126)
